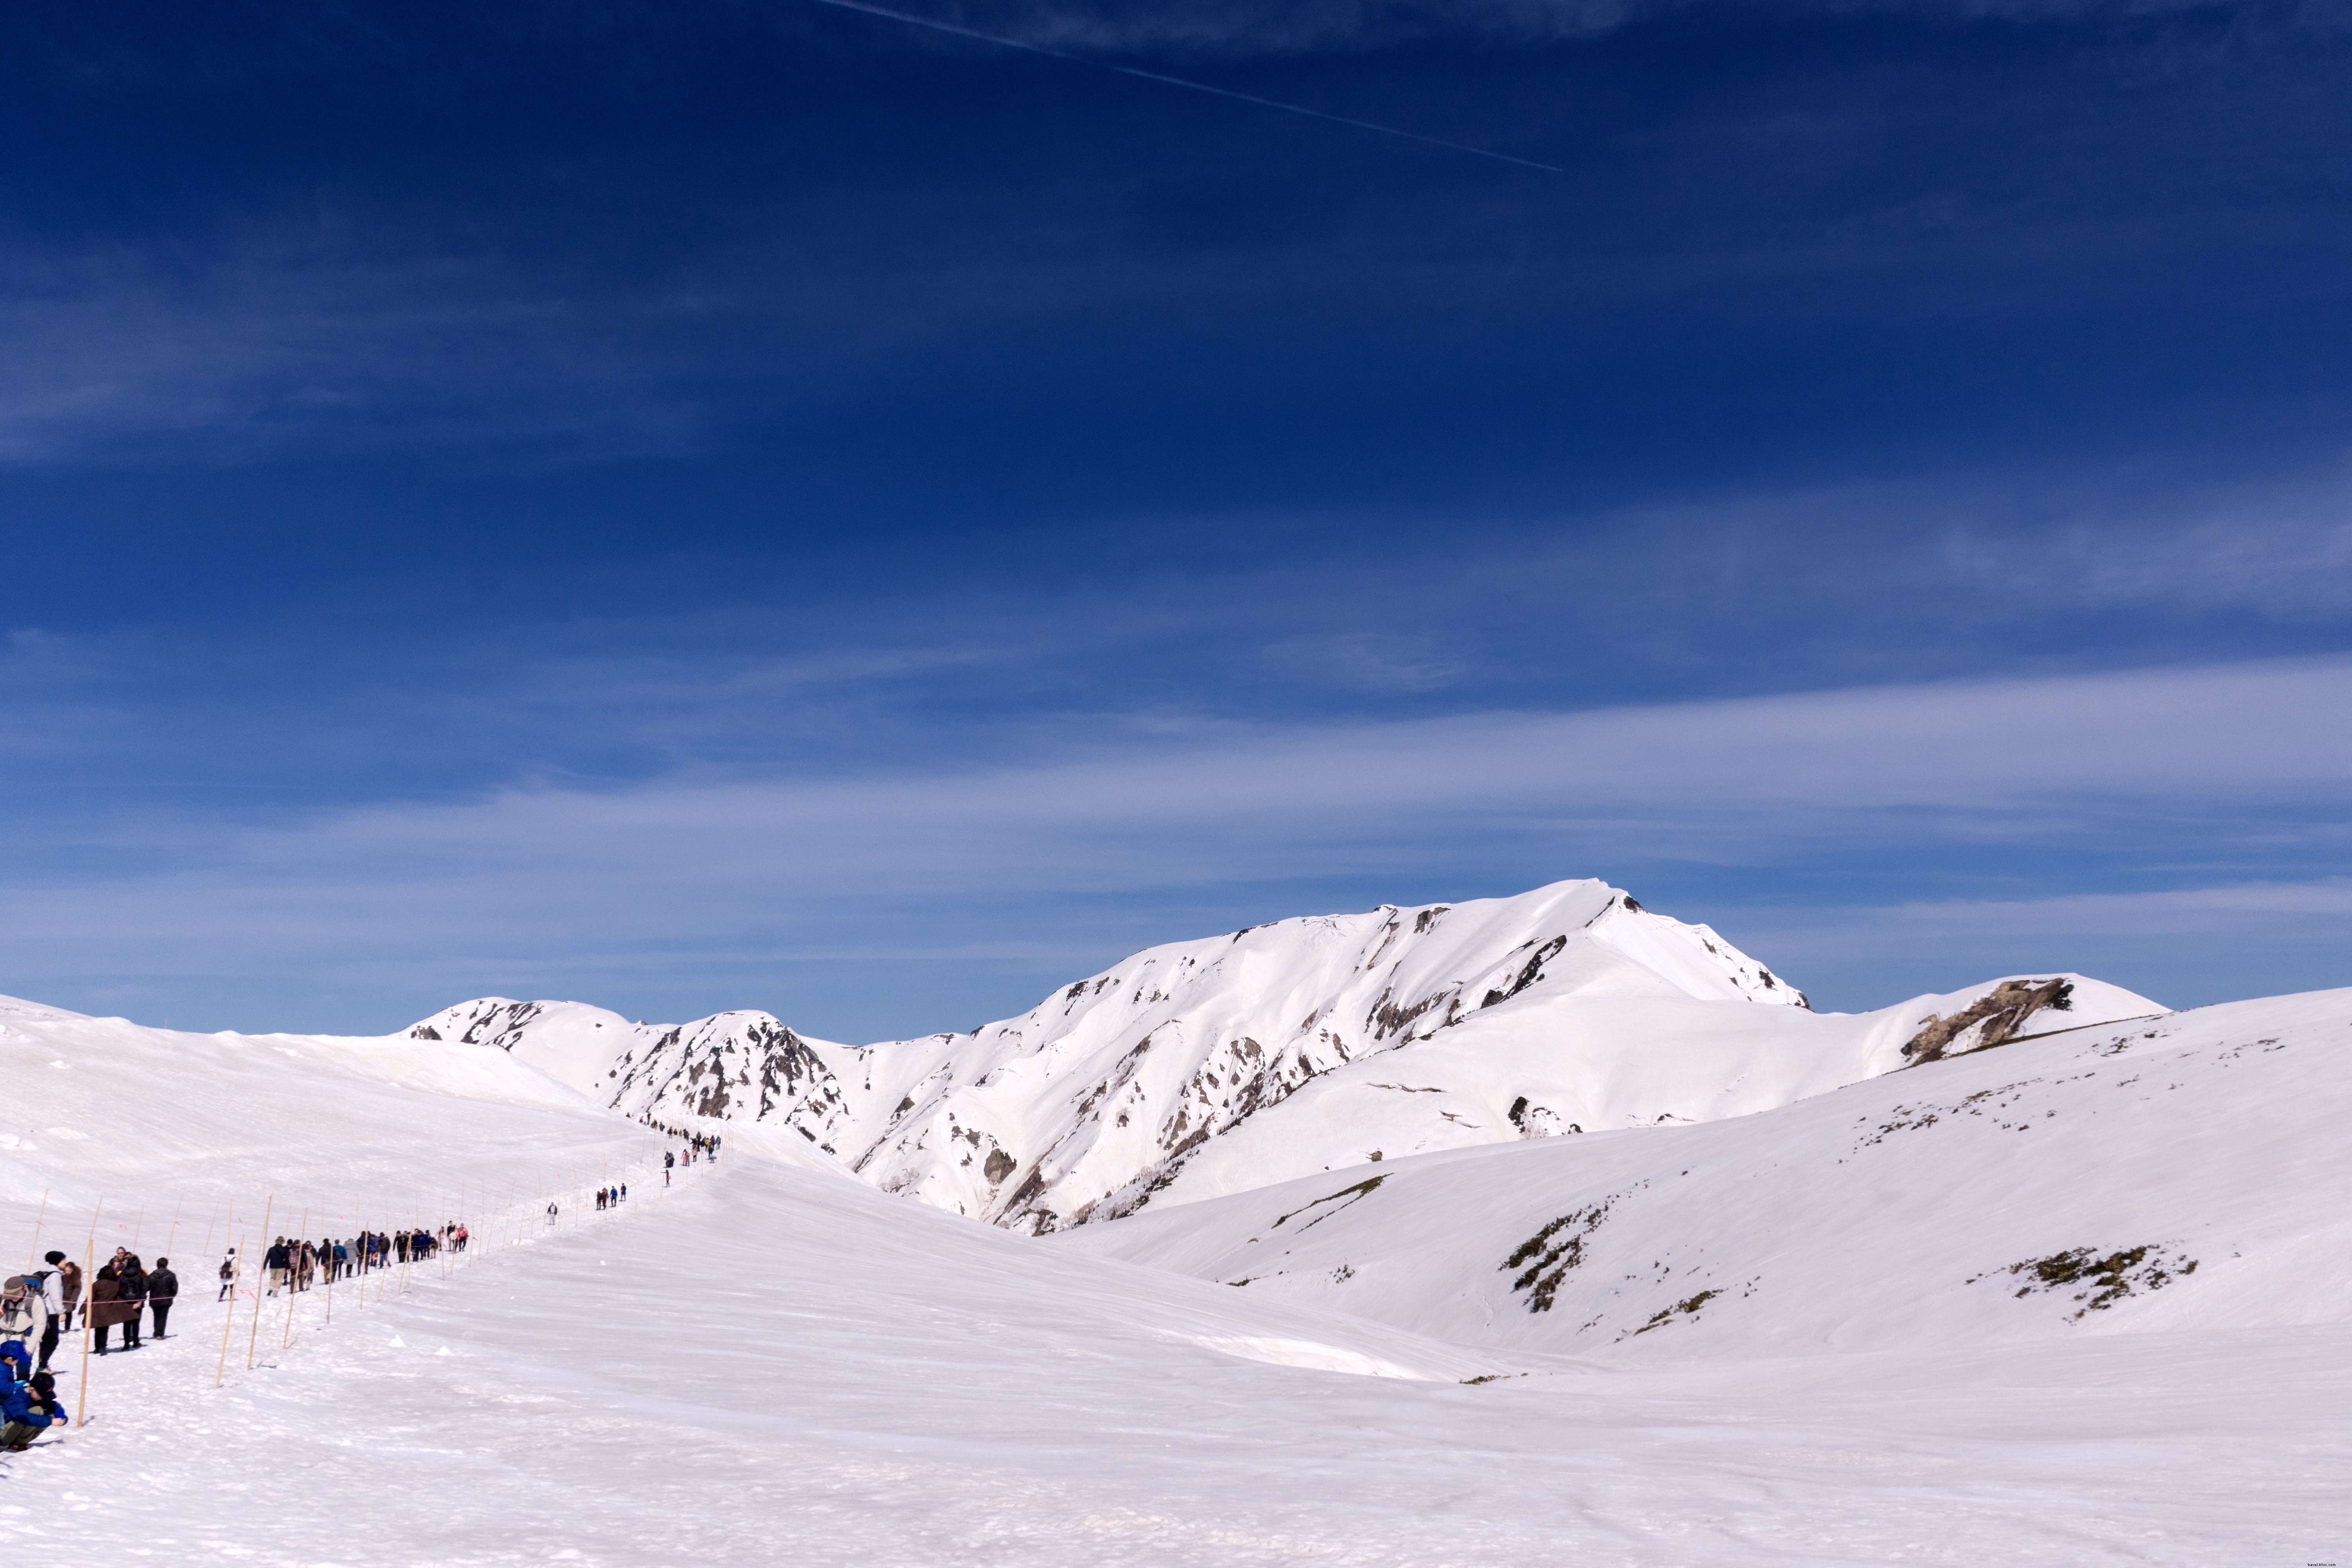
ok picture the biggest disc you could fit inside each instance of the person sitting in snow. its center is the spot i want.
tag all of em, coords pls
(24, 1414)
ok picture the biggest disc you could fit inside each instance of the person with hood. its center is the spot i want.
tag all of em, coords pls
(163, 1289)
(22, 1419)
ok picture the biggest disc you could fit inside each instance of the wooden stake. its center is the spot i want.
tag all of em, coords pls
(229, 1318)
(253, 1336)
(172, 1240)
(90, 1278)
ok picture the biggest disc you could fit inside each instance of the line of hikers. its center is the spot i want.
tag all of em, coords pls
(296, 1265)
(612, 1197)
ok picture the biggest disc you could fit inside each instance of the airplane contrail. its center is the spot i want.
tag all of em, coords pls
(961, 32)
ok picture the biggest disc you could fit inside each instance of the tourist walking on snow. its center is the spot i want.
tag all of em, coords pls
(50, 1281)
(24, 1315)
(274, 1262)
(132, 1278)
(70, 1287)
(163, 1289)
(227, 1275)
(105, 1304)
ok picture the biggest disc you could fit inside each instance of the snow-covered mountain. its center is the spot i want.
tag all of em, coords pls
(2056, 1291)
(1204, 1067)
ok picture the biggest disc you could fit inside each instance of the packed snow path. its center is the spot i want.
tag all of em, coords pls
(768, 1365)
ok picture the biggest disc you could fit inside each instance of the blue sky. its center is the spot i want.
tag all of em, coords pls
(770, 506)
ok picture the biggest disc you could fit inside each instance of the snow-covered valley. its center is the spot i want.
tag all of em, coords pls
(1977, 1278)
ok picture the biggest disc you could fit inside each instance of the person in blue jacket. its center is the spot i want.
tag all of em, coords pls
(22, 1419)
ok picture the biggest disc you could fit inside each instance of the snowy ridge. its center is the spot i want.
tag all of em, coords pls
(1203, 1068)
(730, 1067)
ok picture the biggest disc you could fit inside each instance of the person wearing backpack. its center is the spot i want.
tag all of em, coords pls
(24, 1316)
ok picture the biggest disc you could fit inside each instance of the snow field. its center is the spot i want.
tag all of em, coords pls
(1891, 1215)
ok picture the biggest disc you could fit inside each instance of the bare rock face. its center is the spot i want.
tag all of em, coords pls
(730, 1067)
(1991, 1020)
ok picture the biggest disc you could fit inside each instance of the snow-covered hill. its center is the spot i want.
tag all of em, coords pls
(1205, 1067)
(1946, 1315)
(2183, 1173)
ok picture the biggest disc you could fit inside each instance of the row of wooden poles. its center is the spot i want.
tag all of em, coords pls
(444, 1255)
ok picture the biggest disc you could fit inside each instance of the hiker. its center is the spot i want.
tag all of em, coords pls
(68, 1288)
(163, 1289)
(276, 1262)
(46, 1281)
(228, 1275)
(106, 1308)
(669, 1159)
(624, 1192)
(21, 1418)
(131, 1275)
(551, 1214)
(24, 1316)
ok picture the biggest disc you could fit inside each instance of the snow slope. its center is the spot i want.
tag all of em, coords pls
(1205, 1067)
(2185, 1173)
(774, 1363)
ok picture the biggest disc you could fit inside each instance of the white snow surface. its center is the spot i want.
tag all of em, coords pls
(774, 1363)
(1201, 1068)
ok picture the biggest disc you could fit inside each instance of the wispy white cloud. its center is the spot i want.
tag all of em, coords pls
(685, 861)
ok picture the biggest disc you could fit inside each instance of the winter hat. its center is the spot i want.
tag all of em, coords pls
(15, 1287)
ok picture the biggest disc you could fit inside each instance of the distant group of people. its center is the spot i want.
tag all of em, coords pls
(293, 1264)
(38, 1307)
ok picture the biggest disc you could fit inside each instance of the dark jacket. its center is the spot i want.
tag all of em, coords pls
(163, 1285)
(69, 1283)
(106, 1307)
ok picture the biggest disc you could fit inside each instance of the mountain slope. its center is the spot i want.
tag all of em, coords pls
(2179, 1173)
(1204, 1068)
(833, 1379)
